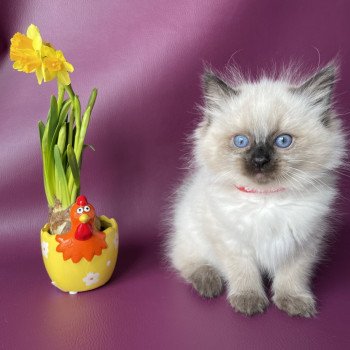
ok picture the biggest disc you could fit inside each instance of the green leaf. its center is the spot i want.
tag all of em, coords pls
(64, 193)
(64, 161)
(62, 117)
(41, 127)
(72, 160)
(70, 128)
(52, 117)
(77, 112)
(74, 194)
(62, 136)
(78, 147)
(92, 98)
(48, 167)
(64, 110)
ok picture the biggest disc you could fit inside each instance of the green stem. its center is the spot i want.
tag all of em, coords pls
(70, 91)
(60, 96)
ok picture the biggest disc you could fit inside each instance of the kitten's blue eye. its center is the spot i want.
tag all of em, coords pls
(283, 141)
(241, 141)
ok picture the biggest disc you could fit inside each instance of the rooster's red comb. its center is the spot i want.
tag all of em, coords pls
(81, 200)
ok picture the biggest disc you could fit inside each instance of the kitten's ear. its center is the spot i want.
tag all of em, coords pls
(215, 89)
(320, 88)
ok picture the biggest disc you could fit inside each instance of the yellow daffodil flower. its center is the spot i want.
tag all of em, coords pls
(33, 33)
(21, 52)
(30, 54)
(55, 65)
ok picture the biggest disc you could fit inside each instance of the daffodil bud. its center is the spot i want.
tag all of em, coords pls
(62, 138)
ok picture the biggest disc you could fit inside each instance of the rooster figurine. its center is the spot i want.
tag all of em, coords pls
(83, 240)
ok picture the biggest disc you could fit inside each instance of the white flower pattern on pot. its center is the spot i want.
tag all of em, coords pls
(91, 278)
(45, 249)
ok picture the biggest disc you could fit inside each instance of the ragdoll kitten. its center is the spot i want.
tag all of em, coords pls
(262, 189)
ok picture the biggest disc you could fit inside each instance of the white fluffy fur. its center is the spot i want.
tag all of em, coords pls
(243, 235)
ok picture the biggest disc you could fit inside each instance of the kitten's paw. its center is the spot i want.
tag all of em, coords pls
(207, 281)
(249, 302)
(296, 305)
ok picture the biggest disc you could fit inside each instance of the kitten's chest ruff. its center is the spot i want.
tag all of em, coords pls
(268, 227)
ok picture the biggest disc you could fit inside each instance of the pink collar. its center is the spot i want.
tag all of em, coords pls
(252, 190)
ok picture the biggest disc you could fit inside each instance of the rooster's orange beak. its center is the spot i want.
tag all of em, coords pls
(84, 218)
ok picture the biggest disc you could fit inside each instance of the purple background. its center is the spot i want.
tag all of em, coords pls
(145, 57)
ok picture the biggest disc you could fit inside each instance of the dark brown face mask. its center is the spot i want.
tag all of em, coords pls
(260, 159)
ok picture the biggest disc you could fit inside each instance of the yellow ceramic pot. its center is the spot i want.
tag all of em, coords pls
(83, 275)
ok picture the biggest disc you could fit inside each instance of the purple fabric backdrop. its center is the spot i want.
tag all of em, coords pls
(145, 57)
